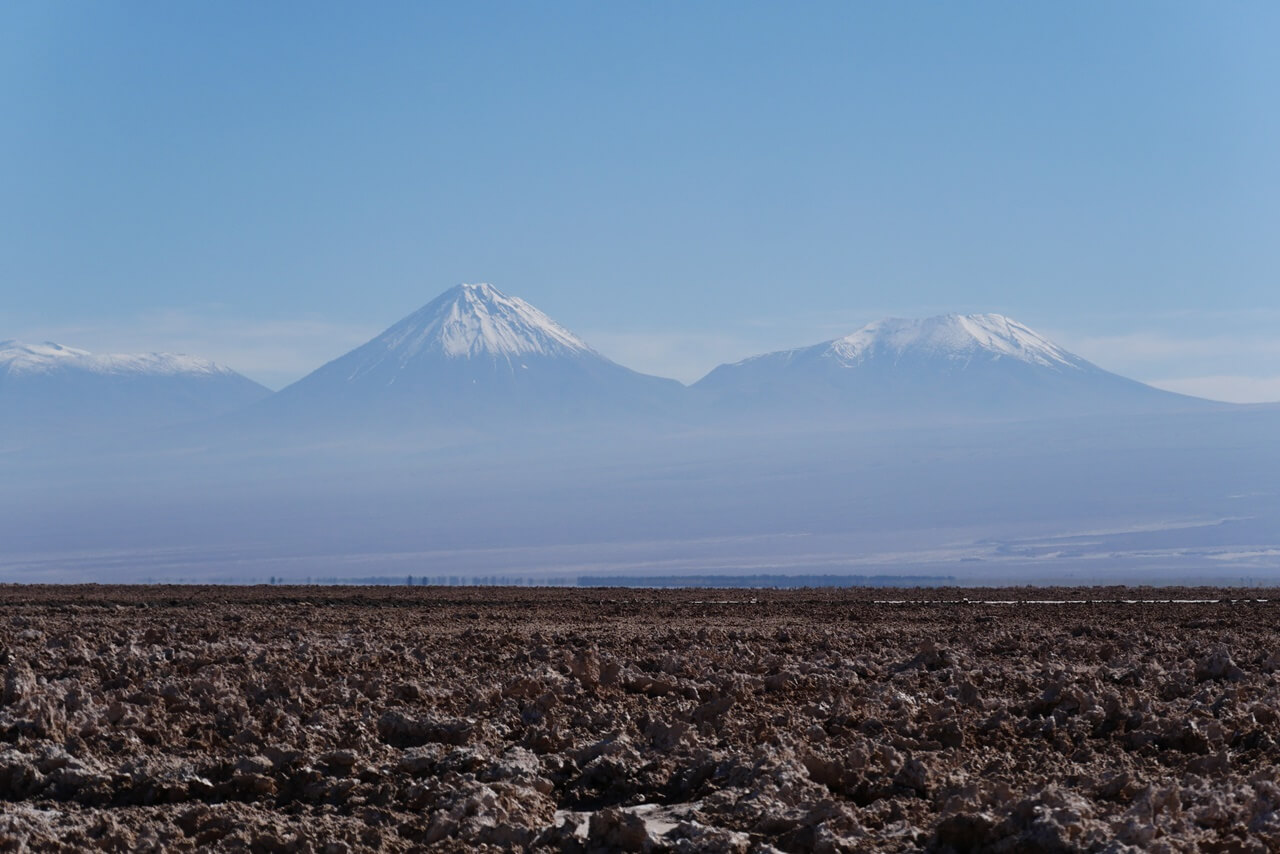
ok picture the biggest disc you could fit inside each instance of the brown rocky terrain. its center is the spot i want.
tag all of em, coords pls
(451, 719)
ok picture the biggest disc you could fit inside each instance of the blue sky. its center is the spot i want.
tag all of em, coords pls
(271, 183)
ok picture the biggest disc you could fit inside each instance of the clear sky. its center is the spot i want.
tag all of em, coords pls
(682, 184)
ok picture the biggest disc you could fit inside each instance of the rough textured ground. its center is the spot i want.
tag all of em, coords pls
(323, 719)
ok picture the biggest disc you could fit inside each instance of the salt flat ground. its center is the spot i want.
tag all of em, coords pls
(342, 718)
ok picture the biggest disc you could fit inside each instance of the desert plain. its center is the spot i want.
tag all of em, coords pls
(336, 719)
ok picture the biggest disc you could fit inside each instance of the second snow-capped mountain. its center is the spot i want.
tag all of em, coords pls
(977, 365)
(474, 355)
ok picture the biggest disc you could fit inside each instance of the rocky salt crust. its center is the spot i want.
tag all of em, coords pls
(334, 720)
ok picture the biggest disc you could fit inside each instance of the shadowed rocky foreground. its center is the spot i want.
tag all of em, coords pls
(451, 719)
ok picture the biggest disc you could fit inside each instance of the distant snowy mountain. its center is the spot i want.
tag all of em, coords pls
(473, 355)
(967, 365)
(51, 389)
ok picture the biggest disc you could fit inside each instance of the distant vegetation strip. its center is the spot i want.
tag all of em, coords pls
(734, 581)
(653, 581)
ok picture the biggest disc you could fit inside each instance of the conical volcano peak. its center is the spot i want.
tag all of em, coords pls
(952, 336)
(473, 355)
(472, 320)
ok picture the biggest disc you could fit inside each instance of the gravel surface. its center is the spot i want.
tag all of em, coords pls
(457, 719)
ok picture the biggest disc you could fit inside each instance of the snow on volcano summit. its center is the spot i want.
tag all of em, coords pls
(467, 323)
(471, 320)
(956, 337)
(17, 358)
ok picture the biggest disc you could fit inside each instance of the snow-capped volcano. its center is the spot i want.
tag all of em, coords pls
(472, 321)
(975, 364)
(468, 322)
(51, 389)
(468, 356)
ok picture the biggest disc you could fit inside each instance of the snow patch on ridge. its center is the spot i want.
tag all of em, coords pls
(17, 358)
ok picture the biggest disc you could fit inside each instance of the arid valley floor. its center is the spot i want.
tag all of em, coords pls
(343, 719)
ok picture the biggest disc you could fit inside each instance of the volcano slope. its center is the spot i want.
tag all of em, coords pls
(339, 719)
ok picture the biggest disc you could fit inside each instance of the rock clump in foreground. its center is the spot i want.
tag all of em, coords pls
(331, 720)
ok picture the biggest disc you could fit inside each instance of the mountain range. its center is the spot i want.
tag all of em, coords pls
(476, 357)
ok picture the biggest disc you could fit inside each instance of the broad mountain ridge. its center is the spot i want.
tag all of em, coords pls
(953, 364)
(49, 389)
